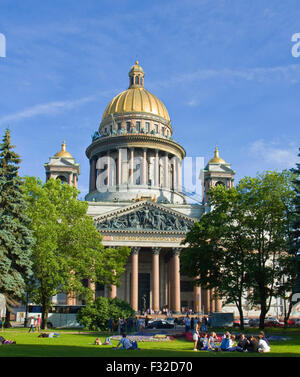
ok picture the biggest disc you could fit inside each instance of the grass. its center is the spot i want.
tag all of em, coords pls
(80, 344)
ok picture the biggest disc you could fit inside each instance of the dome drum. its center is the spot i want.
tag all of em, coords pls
(133, 153)
(123, 172)
(104, 144)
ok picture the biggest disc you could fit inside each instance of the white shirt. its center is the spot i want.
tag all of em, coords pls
(262, 344)
(212, 341)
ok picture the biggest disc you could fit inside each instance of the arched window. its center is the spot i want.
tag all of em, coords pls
(62, 178)
(137, 81)
(220, 183)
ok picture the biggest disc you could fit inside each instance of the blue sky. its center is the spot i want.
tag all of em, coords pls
(224, 70)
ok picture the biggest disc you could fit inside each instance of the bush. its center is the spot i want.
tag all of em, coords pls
(96, 315)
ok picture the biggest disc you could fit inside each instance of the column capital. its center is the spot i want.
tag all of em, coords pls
(156, 250)
(176, 250)
(135, 250)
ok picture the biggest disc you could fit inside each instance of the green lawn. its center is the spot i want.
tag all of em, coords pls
(80, 344)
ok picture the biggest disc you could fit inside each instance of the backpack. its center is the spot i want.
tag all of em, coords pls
(134, 345)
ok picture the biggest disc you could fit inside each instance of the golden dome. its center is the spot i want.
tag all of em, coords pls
(136, 99)
(63, 152)
(217, 159)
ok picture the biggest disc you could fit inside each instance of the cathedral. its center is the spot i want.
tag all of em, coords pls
(136, 199)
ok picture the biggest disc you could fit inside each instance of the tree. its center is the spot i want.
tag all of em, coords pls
(241, 247)
(295, 226)
(95, 316)
(16, 239)
(218, 247)
(68, 248)
(268, 202)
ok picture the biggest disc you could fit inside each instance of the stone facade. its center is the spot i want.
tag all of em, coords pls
(136, 199)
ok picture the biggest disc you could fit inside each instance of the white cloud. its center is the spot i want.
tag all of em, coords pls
(45, 109)
(288, 74)
(274, 154)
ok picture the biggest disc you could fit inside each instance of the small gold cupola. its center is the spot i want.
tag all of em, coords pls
(63, 152)
(217, 159)
(136, 76)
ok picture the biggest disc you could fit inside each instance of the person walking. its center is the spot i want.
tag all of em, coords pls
(32, 325)
(38, 323)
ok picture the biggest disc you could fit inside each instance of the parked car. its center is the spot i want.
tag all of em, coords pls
(273, 322)
(254, 322)
(237, 322)
(160, 324)
(180, 320)
(294, 322)
(170, 320)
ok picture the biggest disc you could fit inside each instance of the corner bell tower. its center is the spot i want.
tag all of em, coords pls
(216, 172)
(63, 166)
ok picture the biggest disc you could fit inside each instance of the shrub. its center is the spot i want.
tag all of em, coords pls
(96, 315)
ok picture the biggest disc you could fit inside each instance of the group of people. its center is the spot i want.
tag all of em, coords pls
(229, 342)
(35, 323)
(129, 324)
(192, 323)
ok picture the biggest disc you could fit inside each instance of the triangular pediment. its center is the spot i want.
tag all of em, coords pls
(145, 216)
(61, 162)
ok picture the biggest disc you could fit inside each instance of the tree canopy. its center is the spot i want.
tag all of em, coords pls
(238, 247)
(68, 248)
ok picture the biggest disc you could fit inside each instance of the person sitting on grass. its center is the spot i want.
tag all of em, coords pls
(264, 337)
(212, 342)
(242, 343)
(124, 343)
(98, 342)
(231, 344)
(204, 342)
(225, 341)
(252, 346)
(263, 346)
